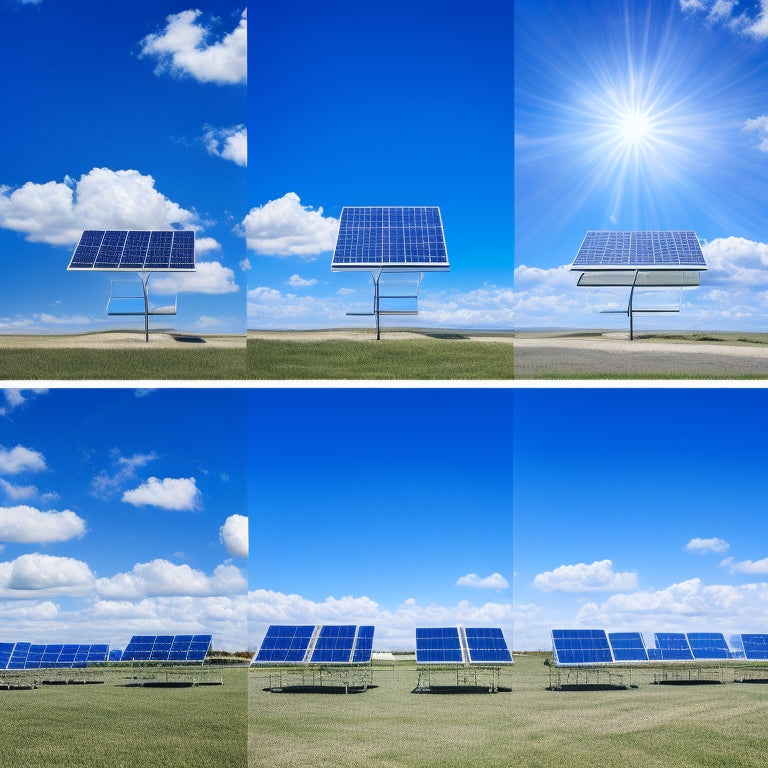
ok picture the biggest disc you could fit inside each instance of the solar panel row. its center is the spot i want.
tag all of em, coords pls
(53, 655)
(167, 648)
(459, 645)
(321, 644)
(135, 250)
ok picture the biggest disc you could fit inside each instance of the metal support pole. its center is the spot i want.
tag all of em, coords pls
(146, 307)
(629, 309)
(376, 304)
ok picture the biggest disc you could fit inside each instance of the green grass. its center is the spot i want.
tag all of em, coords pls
(712, 726)
(122, 364)
(427, 358)
(110, 726)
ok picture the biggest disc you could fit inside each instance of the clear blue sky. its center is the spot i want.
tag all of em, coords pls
(120, 118)
(370, 505)
(640, 115)
(380, 103)
(116, 510)
(667, 485)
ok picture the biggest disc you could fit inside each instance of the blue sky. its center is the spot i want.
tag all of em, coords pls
(384, 507)
(639, 509)
(122, 512)
(130, 120)
(641, 115)
(356, 106)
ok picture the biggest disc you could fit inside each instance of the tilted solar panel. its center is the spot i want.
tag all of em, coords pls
(363, 645)
(640, 250)
(285, 643)
(406, 237)
(438, 645)
(199, 647)
(116, 654)
(135, 250)
(755, 646)
(580, 646)
(627, 646)
(6, 651)
(673, 646)
(334, 644)
(167, 648)
(708, 645)
(487, 645)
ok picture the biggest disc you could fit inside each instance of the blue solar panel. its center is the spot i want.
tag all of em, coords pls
(438, 645)
(167, 648)
(708, 645)
(580, 646)
(644, 250)
(116, 655)
(627, 646)
(334, 644)
(136, 250)
(390, 236)
(285, 643)
(673, 646)
(198, 647)
(487, 644)
(755, 646)
(363, 645)
(6, 651)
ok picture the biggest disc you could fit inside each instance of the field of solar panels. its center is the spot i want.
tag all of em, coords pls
(712, 725)
(112, 724)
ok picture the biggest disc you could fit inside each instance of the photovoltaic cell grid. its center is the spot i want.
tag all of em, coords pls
(167, 648)
(402, 236)
(627, 646)
(487, 644)
(53, 655)
(640, 250)
(673, 646)
(581, 646)
(438, 645)
(333, 644)
(136, 250)
(755, 647)
(708, 645)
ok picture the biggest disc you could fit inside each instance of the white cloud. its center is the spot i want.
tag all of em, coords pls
(750, 24)
(707, 545)
(749, 566)
(14, 398)
(163, 578)
(234, 535)
(20, 459)
(210, 277)
(759, 126)
(228, 143)
(296, 281)
(18, 492)
(180, 494)
(494, 581)
(25, 525)
(285, 227)
(597, 577)
(57, 212)
(36, 573)
(105, 485)
(245, 264)
(186, 47)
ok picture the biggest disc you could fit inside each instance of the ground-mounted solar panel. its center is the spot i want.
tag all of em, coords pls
(116, 654)
(19, 656)
(316, 644)
(487, 645)
(645, 250)
(402, 237)
(580, 646)
(627, 646)
(755, 646)
(334, 644)
(673, 646)
(438, 645)
(6, 651)
(708, 645)
(363, 645)
(135, 250)
(285, 643)
(199, 647)
(162, 648)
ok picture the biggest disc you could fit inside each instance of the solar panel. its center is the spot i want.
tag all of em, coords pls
(285, 643)
(334, 644)
(116, 654)
(363, 645)
(755, 647)
(135, 250)
(640, 249)
(390, 236)
(167, 648)
(438, 645)
(321, 644)
(673, 646)
(6, 651)
(627, 646)
(580, 646)
(708, 645)
(487, 645)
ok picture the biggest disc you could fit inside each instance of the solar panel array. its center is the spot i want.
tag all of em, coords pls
(51, 656)
(135, 250)
(316, 644)
(459, 645)
(755, 647)
(167, 648)
(390, 236)
(645, 250)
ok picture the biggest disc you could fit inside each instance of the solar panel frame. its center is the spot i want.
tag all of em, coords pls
(639, 249)
(156, 250)
(580, 647)
(673, 646)
(285, 644)
(438, 645)
(627, 646)
(380, 237)
(708, 646)
(486, 645)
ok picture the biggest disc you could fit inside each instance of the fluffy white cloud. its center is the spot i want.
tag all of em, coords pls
(186, 47)
(285, 227)
(25, 525)
(758, 126)
(296, 281)
(162, 578)
(105, 485)
(35, 573)
(20, 459)
(234, 535)
(596, 577)
(209, 277)
(18, 492)
(736, 261)
(747, 566)
(228, 143)
(707, 545)
(14, 398)
(752, 23)
(57, 212)
(494, 581)
(176, 493)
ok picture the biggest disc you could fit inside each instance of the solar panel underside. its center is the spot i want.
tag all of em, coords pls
(406, 237)
(135, 250)
(581, 646)
(438, 645)
(673, 646)
(487, 645)
(640, 250)
(755, 646)
(708, 645)
(627, 646)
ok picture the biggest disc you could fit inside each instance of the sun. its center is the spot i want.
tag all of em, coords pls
(635, 127)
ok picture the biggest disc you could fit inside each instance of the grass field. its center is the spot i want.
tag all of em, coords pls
(712, 726)
(426, 357)
(111, 726)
